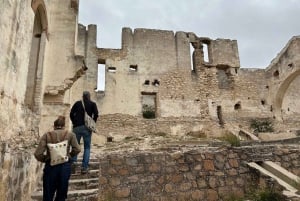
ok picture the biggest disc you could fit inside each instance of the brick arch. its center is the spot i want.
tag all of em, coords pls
(282, 91)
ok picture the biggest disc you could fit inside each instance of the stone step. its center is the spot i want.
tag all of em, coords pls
(90, 174)
(92, 164)
(290, 191)
(82, 187)
(78, 195)
(81, 184)
(282, 173)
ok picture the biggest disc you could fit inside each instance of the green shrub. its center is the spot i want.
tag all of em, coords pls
(267, 195)
(148, 112)
(262, 125)
(149, 115)
(231, 139)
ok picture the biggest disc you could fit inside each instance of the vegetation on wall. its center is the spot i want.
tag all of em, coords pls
(232, 139)
(148, 112)
(259, 195)
(261, 125)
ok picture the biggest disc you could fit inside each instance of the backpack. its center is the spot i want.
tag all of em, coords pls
(58, 151)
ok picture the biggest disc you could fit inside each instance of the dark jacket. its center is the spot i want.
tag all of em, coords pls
(77, 112)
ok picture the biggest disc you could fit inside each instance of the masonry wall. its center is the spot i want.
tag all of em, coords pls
(198, 173)
(122, 126)
(243, 95)
(19, 174)
(282, 73)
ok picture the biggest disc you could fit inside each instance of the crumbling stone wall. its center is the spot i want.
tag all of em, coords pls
(217, 89)
(126, 126)
(282, 73)
(33, 34)
(19, 174)
(187, 173)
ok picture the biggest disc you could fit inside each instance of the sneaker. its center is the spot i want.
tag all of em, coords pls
(73, 168)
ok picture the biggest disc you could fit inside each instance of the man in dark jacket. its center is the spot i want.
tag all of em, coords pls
(81, 131)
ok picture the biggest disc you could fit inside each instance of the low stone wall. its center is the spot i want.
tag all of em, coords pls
(127, 125)
(19, 172)
(195, 173)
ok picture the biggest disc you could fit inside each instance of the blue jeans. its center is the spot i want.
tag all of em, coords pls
(56, 179)
(83, 132)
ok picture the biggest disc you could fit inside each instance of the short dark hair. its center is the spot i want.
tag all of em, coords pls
(86, 95)
(59, 122)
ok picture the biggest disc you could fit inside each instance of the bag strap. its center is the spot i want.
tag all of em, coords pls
(64, 138)
(57, 140)
(51, 136)
(83, 105)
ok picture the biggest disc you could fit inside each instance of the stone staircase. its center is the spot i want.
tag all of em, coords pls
(286, 179)
(82, 187)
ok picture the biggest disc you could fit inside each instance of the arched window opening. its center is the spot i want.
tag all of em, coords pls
(276, 73)
(237, 106)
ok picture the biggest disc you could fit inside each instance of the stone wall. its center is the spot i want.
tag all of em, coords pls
(19, 174)
(126, 126)
(197, 173)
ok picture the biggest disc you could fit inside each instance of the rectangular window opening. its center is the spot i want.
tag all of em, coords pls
(205, 53)
(133, 68)
(100, 78)
(149, 105)
(111, 69)
(191, 57)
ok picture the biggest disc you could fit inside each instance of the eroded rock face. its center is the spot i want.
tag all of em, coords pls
(19, 173)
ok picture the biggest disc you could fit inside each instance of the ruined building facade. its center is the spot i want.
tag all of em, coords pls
(45, 54)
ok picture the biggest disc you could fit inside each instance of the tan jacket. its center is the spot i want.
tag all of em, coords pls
(72, 150)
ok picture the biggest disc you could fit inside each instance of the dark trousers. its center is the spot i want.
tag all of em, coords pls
(56, 180)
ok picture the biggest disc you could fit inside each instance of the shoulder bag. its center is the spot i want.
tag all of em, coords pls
(89, 121)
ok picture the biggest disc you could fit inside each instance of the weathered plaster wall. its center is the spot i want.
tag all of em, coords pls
(291, 104)
(281, 73)
(16, 23)
(217, 89)
(198, 173)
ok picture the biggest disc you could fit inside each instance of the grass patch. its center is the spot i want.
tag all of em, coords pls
(266, 195)
(231, 139)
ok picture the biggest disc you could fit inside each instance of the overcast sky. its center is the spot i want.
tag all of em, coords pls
(261, 27)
